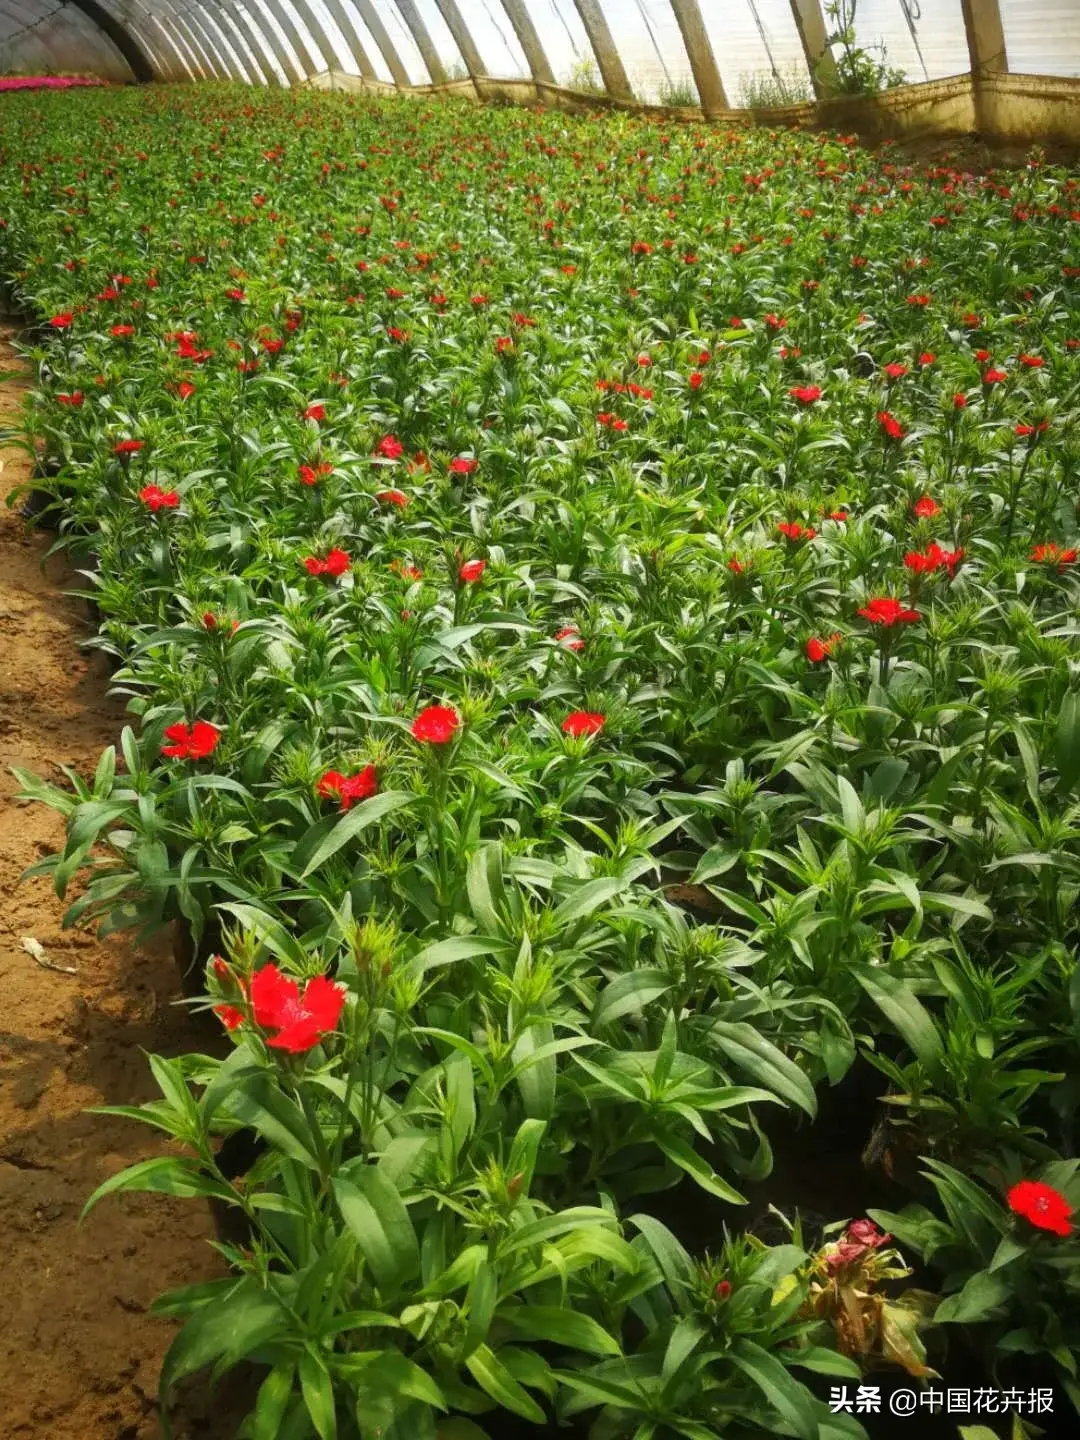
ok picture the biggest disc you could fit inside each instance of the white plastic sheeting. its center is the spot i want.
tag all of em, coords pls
(756, 43)
(923, 38)
(1042, 37)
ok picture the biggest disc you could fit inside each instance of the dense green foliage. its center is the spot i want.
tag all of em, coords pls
(723, 486)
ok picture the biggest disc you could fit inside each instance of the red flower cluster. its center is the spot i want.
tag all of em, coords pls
(397, 498)
(348, 788)
(885, 611)
(890, 425)
(583, 722)
(310, 474)
(628, 387)
(315, 412)
(609, 421)
(795, 532)
(805, 394)
(861, 1238)
(472, 571)
(301, 1022)
(335, 564)
(128, 447)
(818, 650)
(195, 743)
(463, 465)
(569, 638)
(933, 558)
(390, 448)
(154, 498)
(1050, 553)
(436, 725)
(1042, 1206)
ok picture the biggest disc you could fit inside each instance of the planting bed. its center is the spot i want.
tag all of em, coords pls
(596, 607)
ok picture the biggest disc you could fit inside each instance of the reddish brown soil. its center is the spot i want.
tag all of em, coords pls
(79, 1350)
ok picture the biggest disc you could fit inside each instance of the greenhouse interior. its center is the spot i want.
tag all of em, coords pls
(540, 719)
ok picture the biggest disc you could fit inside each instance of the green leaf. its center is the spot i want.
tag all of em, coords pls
(318, 1392)
(1067, 741)
(275, 1392)
(318, 845)
(904, 1011)
(1008, 1250)
(484, 883)
(167, 1175)
(791, 1400)
(448, 952)
(588, 898)
(560, 1326)
(629, 994)
(495, 1380)
(686, 1157)
(374, 1211)
(255, 1100)
(748, 1049)
(479, 1307)
(981, 1296)
(825, 1362)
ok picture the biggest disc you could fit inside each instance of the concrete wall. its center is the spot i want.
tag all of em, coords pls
(66, 42)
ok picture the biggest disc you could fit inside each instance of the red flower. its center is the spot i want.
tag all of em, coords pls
(463, 465)
(926, 507)
(478, 300)
(348, 788)
(195, 743)
(895, 370)
(1038, 429)
(569, 638)
(884, 610)
(504, 345)
(994, 377)
(75, 399)
(185, 389)
(860, 1238)
(128, 447)
(1041, 1205)
(736, 566)
(436, 725)
(122, 332)
(393, 497)
(775, 322)
(933, 558)
(471, 571)
(154, 498)
(697, 379)
(399, 337)
(644, 361)
(890, 425)
(63, 320)
(390, 448)
(794, 531)
(927, 358)
(301, 1023)
(335, 564)
(315, 412)
(805, 394)
(818, 650)
(583, 722)
(211, 622)
(310, 474)
(982, 356)
(1050, 553)
(1033, 362)
(229, 1016)
(235, 294)
(420, 464)
(918, 299)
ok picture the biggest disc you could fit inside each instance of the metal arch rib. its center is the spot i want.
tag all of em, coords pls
(455, 23)
(370, 17)
(424, 43)
(167, 59)
(252, 40)
(352, 37)
(318, 33)
(213, 22)
(608, 59)
(268, 36)
(525, 30)
(121, 37)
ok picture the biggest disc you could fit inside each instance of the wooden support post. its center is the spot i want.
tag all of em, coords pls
(608, 58)
(710, 87)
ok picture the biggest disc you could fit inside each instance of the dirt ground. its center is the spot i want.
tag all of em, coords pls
(79, 1350)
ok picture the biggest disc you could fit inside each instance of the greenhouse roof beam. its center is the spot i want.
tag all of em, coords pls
(525, 30)
(371, 19)
(224, 42)
(699, 49)
(424, 43)
(214, 65)
(814, 35)
(608, 60)
(142, 66)
(985, 37)
(455, 23)
(251, 37)
(272, 41)
(353, 39)
(311, 21)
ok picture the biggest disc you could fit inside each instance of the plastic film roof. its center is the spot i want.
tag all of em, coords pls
(720, 52)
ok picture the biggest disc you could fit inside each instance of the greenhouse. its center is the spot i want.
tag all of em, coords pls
(540, 719)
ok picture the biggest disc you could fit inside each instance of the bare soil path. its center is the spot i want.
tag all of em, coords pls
(79, 1350)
